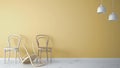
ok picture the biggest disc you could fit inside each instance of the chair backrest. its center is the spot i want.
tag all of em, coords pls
(42, 39)
(14, 39)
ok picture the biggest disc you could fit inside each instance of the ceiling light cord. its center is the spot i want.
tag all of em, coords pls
(100, 1)
(113, 5)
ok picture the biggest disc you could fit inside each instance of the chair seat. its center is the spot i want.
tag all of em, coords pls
(26, 60)
(11, 49)
(44, 48)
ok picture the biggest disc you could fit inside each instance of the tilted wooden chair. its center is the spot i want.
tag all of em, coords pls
(31, 58)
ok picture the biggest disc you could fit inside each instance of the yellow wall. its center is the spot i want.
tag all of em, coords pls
(75, 28)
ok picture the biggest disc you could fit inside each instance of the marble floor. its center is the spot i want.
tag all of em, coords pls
(66, 64)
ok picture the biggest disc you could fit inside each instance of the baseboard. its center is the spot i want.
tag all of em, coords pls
(107, 60)
(96, 60)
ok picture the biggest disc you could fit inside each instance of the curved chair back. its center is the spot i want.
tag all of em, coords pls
(43, 38)
(16, 39)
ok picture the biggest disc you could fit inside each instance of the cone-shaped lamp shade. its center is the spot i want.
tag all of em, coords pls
(113, 17)
(101, 9)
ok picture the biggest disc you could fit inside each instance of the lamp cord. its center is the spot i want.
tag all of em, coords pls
(112, 5)
(100, 1)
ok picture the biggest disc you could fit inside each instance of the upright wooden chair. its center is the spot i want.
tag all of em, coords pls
(42, 43)
(13, 45)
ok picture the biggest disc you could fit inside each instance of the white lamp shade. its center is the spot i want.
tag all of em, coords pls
(101, 9)
(113, 17)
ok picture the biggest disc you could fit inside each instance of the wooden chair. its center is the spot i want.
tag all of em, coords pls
(42, 43)
(13, 45)
(31, 59)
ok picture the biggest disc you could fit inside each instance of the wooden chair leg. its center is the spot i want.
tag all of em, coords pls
(15, 56)
(40, 54)
(19, 57)
(9, 56)
(47, 55)
(51, 56)
(5, 56)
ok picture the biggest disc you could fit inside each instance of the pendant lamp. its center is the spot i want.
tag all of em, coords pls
(113, 16)
(101, 9)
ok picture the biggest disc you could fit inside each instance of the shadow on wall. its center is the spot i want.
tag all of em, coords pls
(31, 45)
